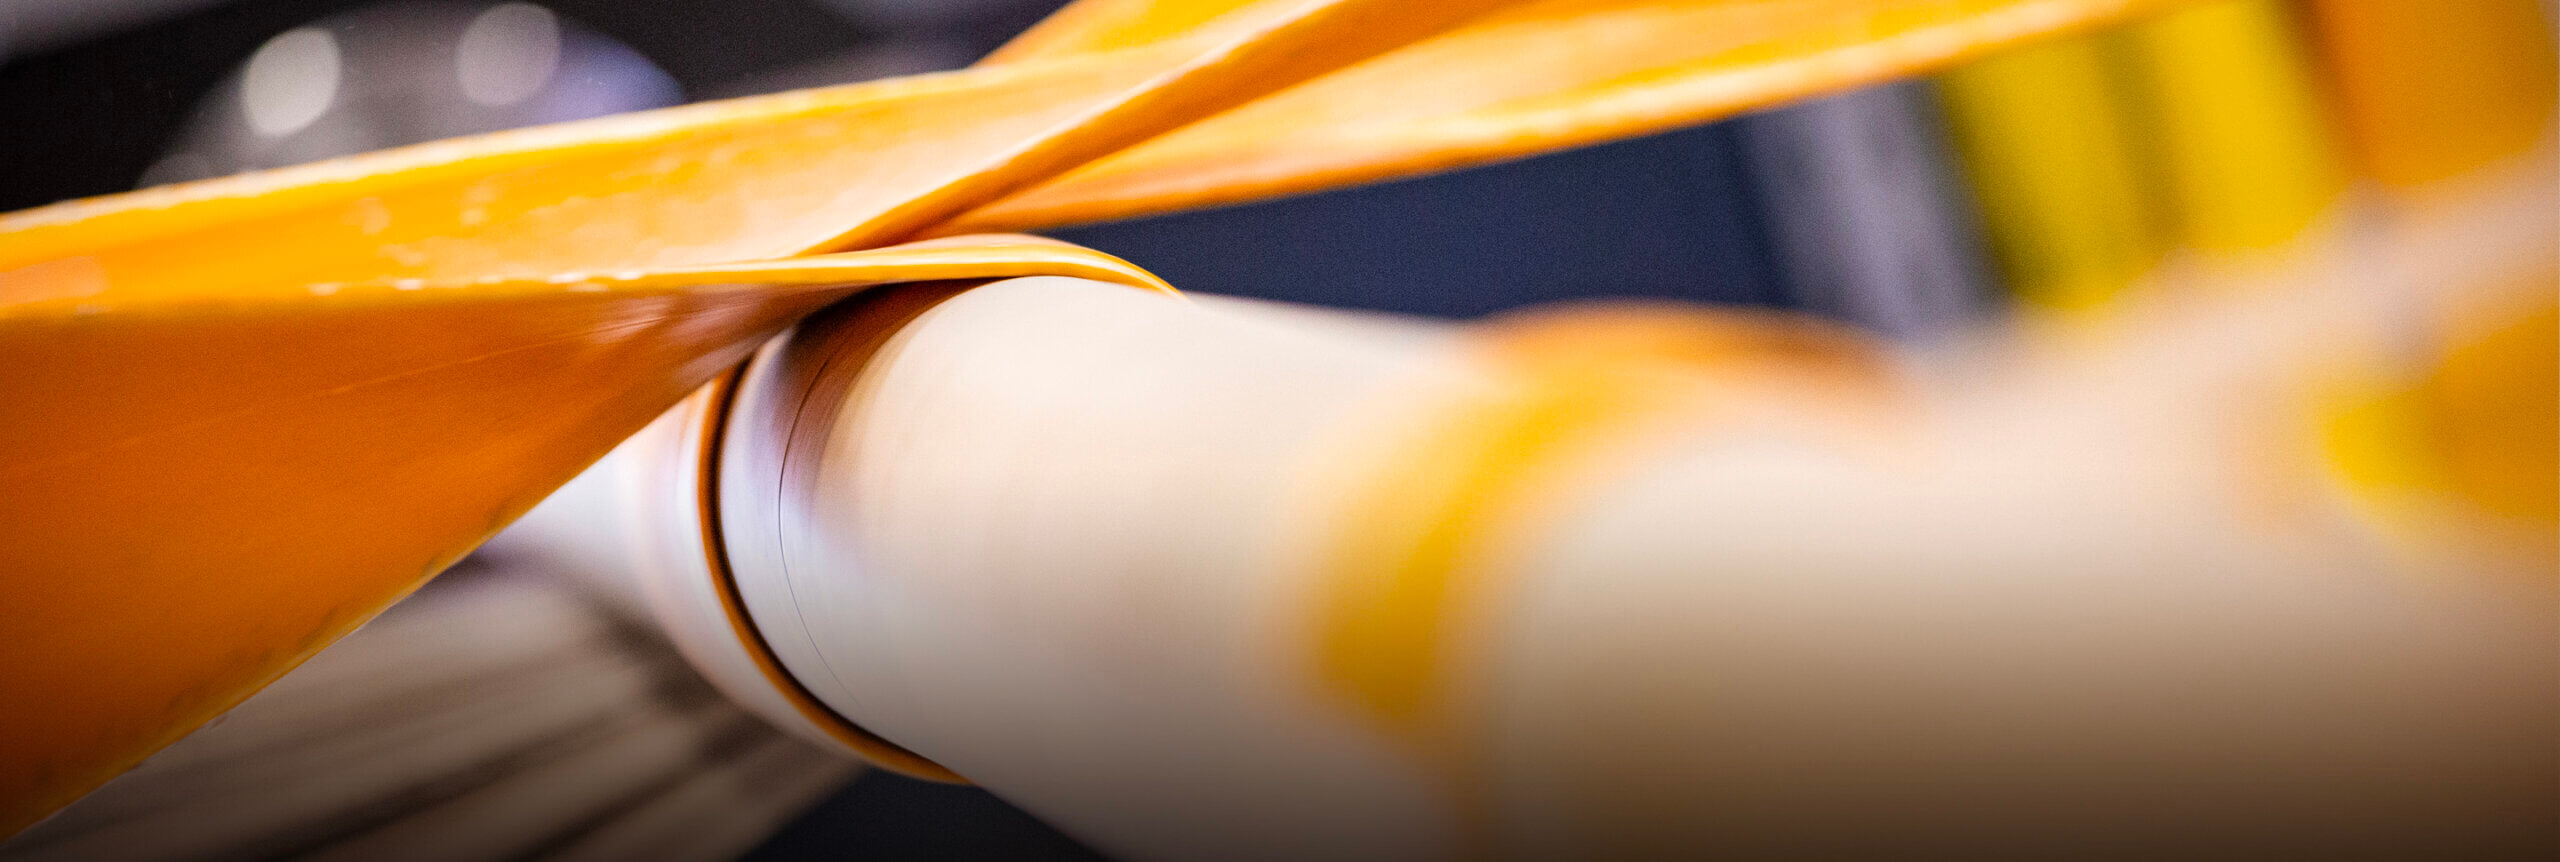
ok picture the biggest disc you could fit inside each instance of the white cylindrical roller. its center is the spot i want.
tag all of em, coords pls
(1219, 579)
(1082, 512)
(1072, 542)
(632, 529)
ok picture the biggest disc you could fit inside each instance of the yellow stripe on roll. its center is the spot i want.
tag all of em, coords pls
(2459, 447)
(1573, 391)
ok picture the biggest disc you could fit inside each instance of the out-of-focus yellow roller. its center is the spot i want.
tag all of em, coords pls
(2234, 120)
(2048, 138)
(2432, 91)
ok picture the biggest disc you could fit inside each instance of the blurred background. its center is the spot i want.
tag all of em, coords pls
(2034, 183)
(101, 96)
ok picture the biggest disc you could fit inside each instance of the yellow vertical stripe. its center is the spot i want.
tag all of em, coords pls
(2044, 138)
(2233, 121)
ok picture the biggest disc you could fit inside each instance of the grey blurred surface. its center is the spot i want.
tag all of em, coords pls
(497, 714)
